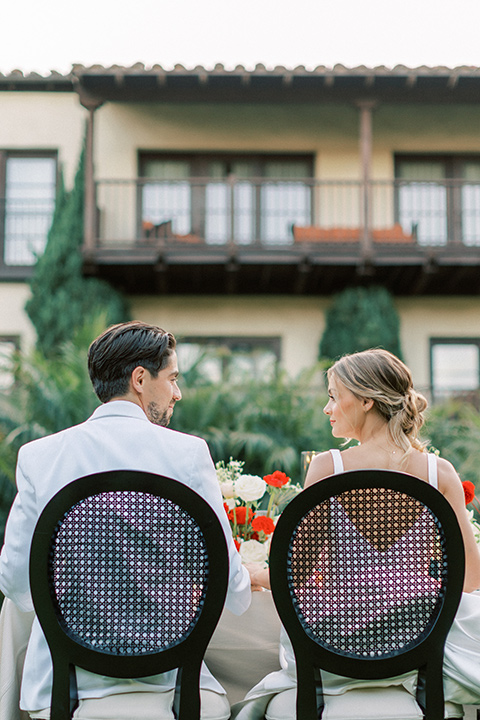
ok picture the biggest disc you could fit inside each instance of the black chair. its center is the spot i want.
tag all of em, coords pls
(367, 571)
(128, 572)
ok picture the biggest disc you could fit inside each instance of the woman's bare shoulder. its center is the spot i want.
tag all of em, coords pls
(445, 467)
(447, 475)
(320, 467)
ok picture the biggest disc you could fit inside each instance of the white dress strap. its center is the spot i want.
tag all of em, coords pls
(432, 470)
(337, 461)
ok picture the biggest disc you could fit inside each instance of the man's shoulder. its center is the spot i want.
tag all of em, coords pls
(41, 443)
(176, 436)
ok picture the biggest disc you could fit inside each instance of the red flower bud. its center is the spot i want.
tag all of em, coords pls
(263, 524)
(276, 479)
(241, 515)
(469, 490)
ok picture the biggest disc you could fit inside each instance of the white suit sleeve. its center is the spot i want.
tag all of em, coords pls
(204, 481)
(15, 556)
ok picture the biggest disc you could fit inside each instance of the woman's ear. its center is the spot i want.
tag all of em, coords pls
(367, 404)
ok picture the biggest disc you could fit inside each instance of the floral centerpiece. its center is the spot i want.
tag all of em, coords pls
(253, 505)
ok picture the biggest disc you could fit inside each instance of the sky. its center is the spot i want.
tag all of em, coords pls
(56, 34)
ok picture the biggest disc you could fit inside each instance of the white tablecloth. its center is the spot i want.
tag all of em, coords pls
(15, 629)
(244, 648)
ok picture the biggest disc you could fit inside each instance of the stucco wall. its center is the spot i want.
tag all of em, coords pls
(44, 121)
(13, 318)
(300, 322)
(329, 132)
(436, 317)
(297, 321)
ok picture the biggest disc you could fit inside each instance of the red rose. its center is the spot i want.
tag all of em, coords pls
(226, 508)
(469, 490)
(241, 515)
(277, 479)
(263, 524)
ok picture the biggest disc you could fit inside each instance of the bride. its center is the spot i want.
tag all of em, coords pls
(372, 400)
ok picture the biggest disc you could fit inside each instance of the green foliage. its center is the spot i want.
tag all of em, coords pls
(358, 319)
(267, 424)
(61, 299)
(48, 396)
(453, 428)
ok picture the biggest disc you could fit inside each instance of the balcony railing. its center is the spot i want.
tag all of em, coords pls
(271, 214)
(283, 212)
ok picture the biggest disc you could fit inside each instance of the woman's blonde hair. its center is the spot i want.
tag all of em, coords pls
(380, 376)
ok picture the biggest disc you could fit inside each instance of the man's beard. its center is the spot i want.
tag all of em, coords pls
(156, 416)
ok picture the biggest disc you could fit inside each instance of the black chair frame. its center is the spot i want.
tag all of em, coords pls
(311, 655)
(67, 652)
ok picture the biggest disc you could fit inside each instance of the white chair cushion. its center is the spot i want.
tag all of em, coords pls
(390, 703)
(145, 705)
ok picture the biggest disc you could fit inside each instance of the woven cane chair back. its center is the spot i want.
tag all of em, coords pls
(129, 573)
(367, 573)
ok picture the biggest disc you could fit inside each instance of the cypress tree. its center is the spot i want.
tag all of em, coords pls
(358, 319)
(62, 299)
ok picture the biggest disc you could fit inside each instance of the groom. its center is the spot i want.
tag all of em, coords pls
(134, 372)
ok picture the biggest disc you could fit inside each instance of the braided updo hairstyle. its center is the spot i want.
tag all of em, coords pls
(380, 376)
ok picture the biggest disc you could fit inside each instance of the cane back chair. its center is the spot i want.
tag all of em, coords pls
(367, 571)
(128, 572)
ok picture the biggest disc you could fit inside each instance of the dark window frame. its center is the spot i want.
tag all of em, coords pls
(198, 171)
(452, 341)
(452, 163)
(232, 342)
(22, 271)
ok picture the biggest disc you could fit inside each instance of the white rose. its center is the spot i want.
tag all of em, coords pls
(253, 551)
(230, 503)
(228, 489)
(250, 487)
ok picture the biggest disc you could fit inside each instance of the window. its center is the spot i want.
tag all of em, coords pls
(470, 203)
(243, 199)
(439, 198)
(236, 359)
(30, 187)
(455, 366)
(8, 346)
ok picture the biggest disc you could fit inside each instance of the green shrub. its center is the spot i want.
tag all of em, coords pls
(453, 428)
(358, 319)
(62, 299)
(48, 395)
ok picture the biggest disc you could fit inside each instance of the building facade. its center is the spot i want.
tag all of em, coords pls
(230, 205)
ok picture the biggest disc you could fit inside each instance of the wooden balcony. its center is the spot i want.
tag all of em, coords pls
(285, 236)
(272, 236)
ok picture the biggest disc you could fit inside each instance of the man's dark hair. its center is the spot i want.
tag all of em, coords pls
(115, 354)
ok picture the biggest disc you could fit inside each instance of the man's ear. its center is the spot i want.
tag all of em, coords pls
(367, 404)
(137, 379)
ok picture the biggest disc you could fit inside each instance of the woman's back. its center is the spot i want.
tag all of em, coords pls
(373, 454)
(367, 456)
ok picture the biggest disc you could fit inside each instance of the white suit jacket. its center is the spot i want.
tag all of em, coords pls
(117, 436)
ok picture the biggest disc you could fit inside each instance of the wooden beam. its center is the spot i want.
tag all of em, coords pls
(366, 107)
(231, 276)
(90, 200)
(303, 271)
